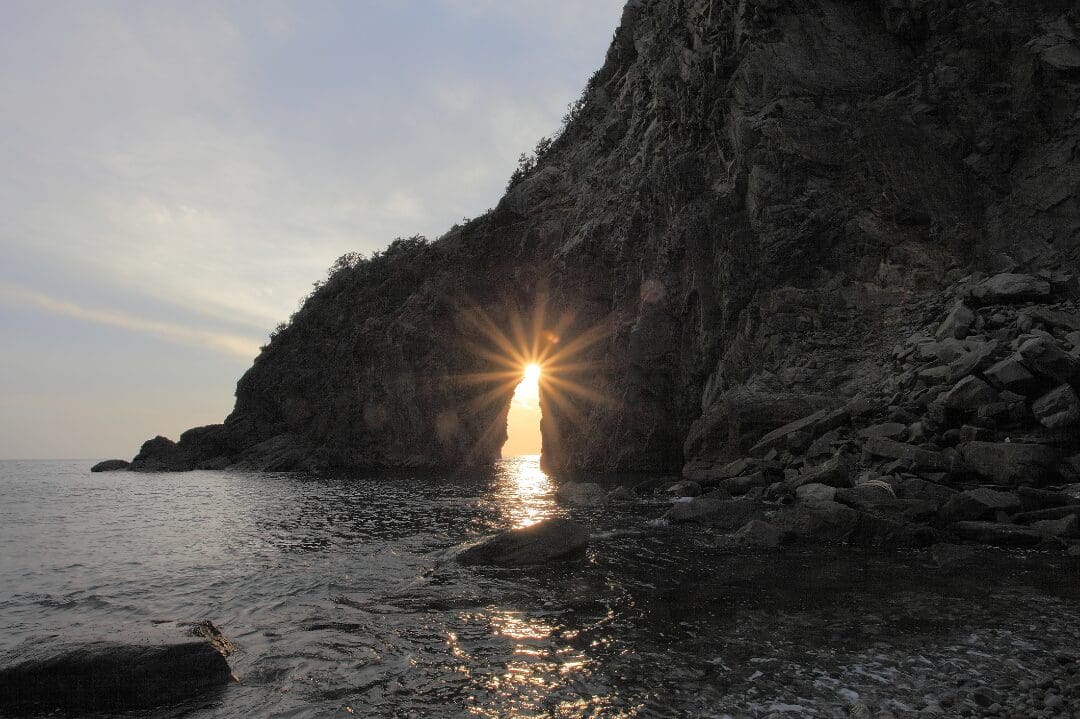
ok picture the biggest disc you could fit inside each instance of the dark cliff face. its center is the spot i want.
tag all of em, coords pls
(753, 203)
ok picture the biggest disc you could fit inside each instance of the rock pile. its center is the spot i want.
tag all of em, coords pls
(971, 435)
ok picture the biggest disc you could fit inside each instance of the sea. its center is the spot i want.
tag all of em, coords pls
(343, 599)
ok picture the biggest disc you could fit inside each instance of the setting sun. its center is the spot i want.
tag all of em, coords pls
(532, 372)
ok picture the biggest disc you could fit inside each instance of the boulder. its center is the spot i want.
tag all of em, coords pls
(1068, 526)
(917, 488)
(890, 430)
(833, 472)
(957, 323)
(1032, 499)
(736, 486)
(1058, 408)
(830, 522)
(915, 457)
(866, 496)
(581, 494)
(1011, 463)
(755, 534)
(622, 494)
(546, 541)
(1009, 287)
(998, 535)
(1011, 374)
(714, 511)
(817, 423)
(1047, 359)
(1039, 515)
(1054, 318)
(981, 503)
(707, 471)
(165, 665)
(684, 488)
(969, 394)
(110, 465)
(815, 492)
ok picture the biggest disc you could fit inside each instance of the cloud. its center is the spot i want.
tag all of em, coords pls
(244, 347)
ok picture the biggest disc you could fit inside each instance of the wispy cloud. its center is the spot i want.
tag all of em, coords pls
(23, 298)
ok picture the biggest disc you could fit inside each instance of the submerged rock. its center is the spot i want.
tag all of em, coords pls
(546, 541)
(151, 669)
(581, 494)
(110, 465)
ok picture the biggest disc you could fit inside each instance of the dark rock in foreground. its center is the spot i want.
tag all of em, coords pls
(546, 541)
(110, 465)
(163, 667)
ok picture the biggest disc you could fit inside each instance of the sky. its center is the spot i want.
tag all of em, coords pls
(175, 176)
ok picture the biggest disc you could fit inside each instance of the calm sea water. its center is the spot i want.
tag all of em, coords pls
(339, 596)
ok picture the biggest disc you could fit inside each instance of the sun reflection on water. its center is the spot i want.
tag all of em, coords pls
(524, 491)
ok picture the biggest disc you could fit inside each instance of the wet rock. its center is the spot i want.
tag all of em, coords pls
(1009, 287)
(716, 512)
(581, 494)
(685, 488)
(1058, 408)
(622, 494)
(1048, 360)
(546, 541)
(969, 394)
(110, 465)
(756, 534)
(975, 504)
(998, 535)
(129, 671)
(1011, 463)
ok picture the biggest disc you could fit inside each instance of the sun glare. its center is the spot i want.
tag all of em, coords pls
(524, 354)
(532, 373)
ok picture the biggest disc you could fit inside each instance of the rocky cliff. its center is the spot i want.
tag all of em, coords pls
(754, 203)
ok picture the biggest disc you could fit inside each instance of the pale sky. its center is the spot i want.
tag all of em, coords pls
(174, 176)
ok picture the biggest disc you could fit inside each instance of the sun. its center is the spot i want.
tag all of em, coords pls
(532, 372)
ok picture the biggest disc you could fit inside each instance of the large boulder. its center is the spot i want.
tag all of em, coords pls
(1011, 463)
(824, 522)
(546, 541)
(1009, 287)
(722, 513)
(153, 668)
(110, 465)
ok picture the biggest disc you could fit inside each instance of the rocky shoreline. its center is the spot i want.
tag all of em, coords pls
(971, 438)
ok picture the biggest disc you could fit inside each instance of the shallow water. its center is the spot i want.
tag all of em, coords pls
(338, 595)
